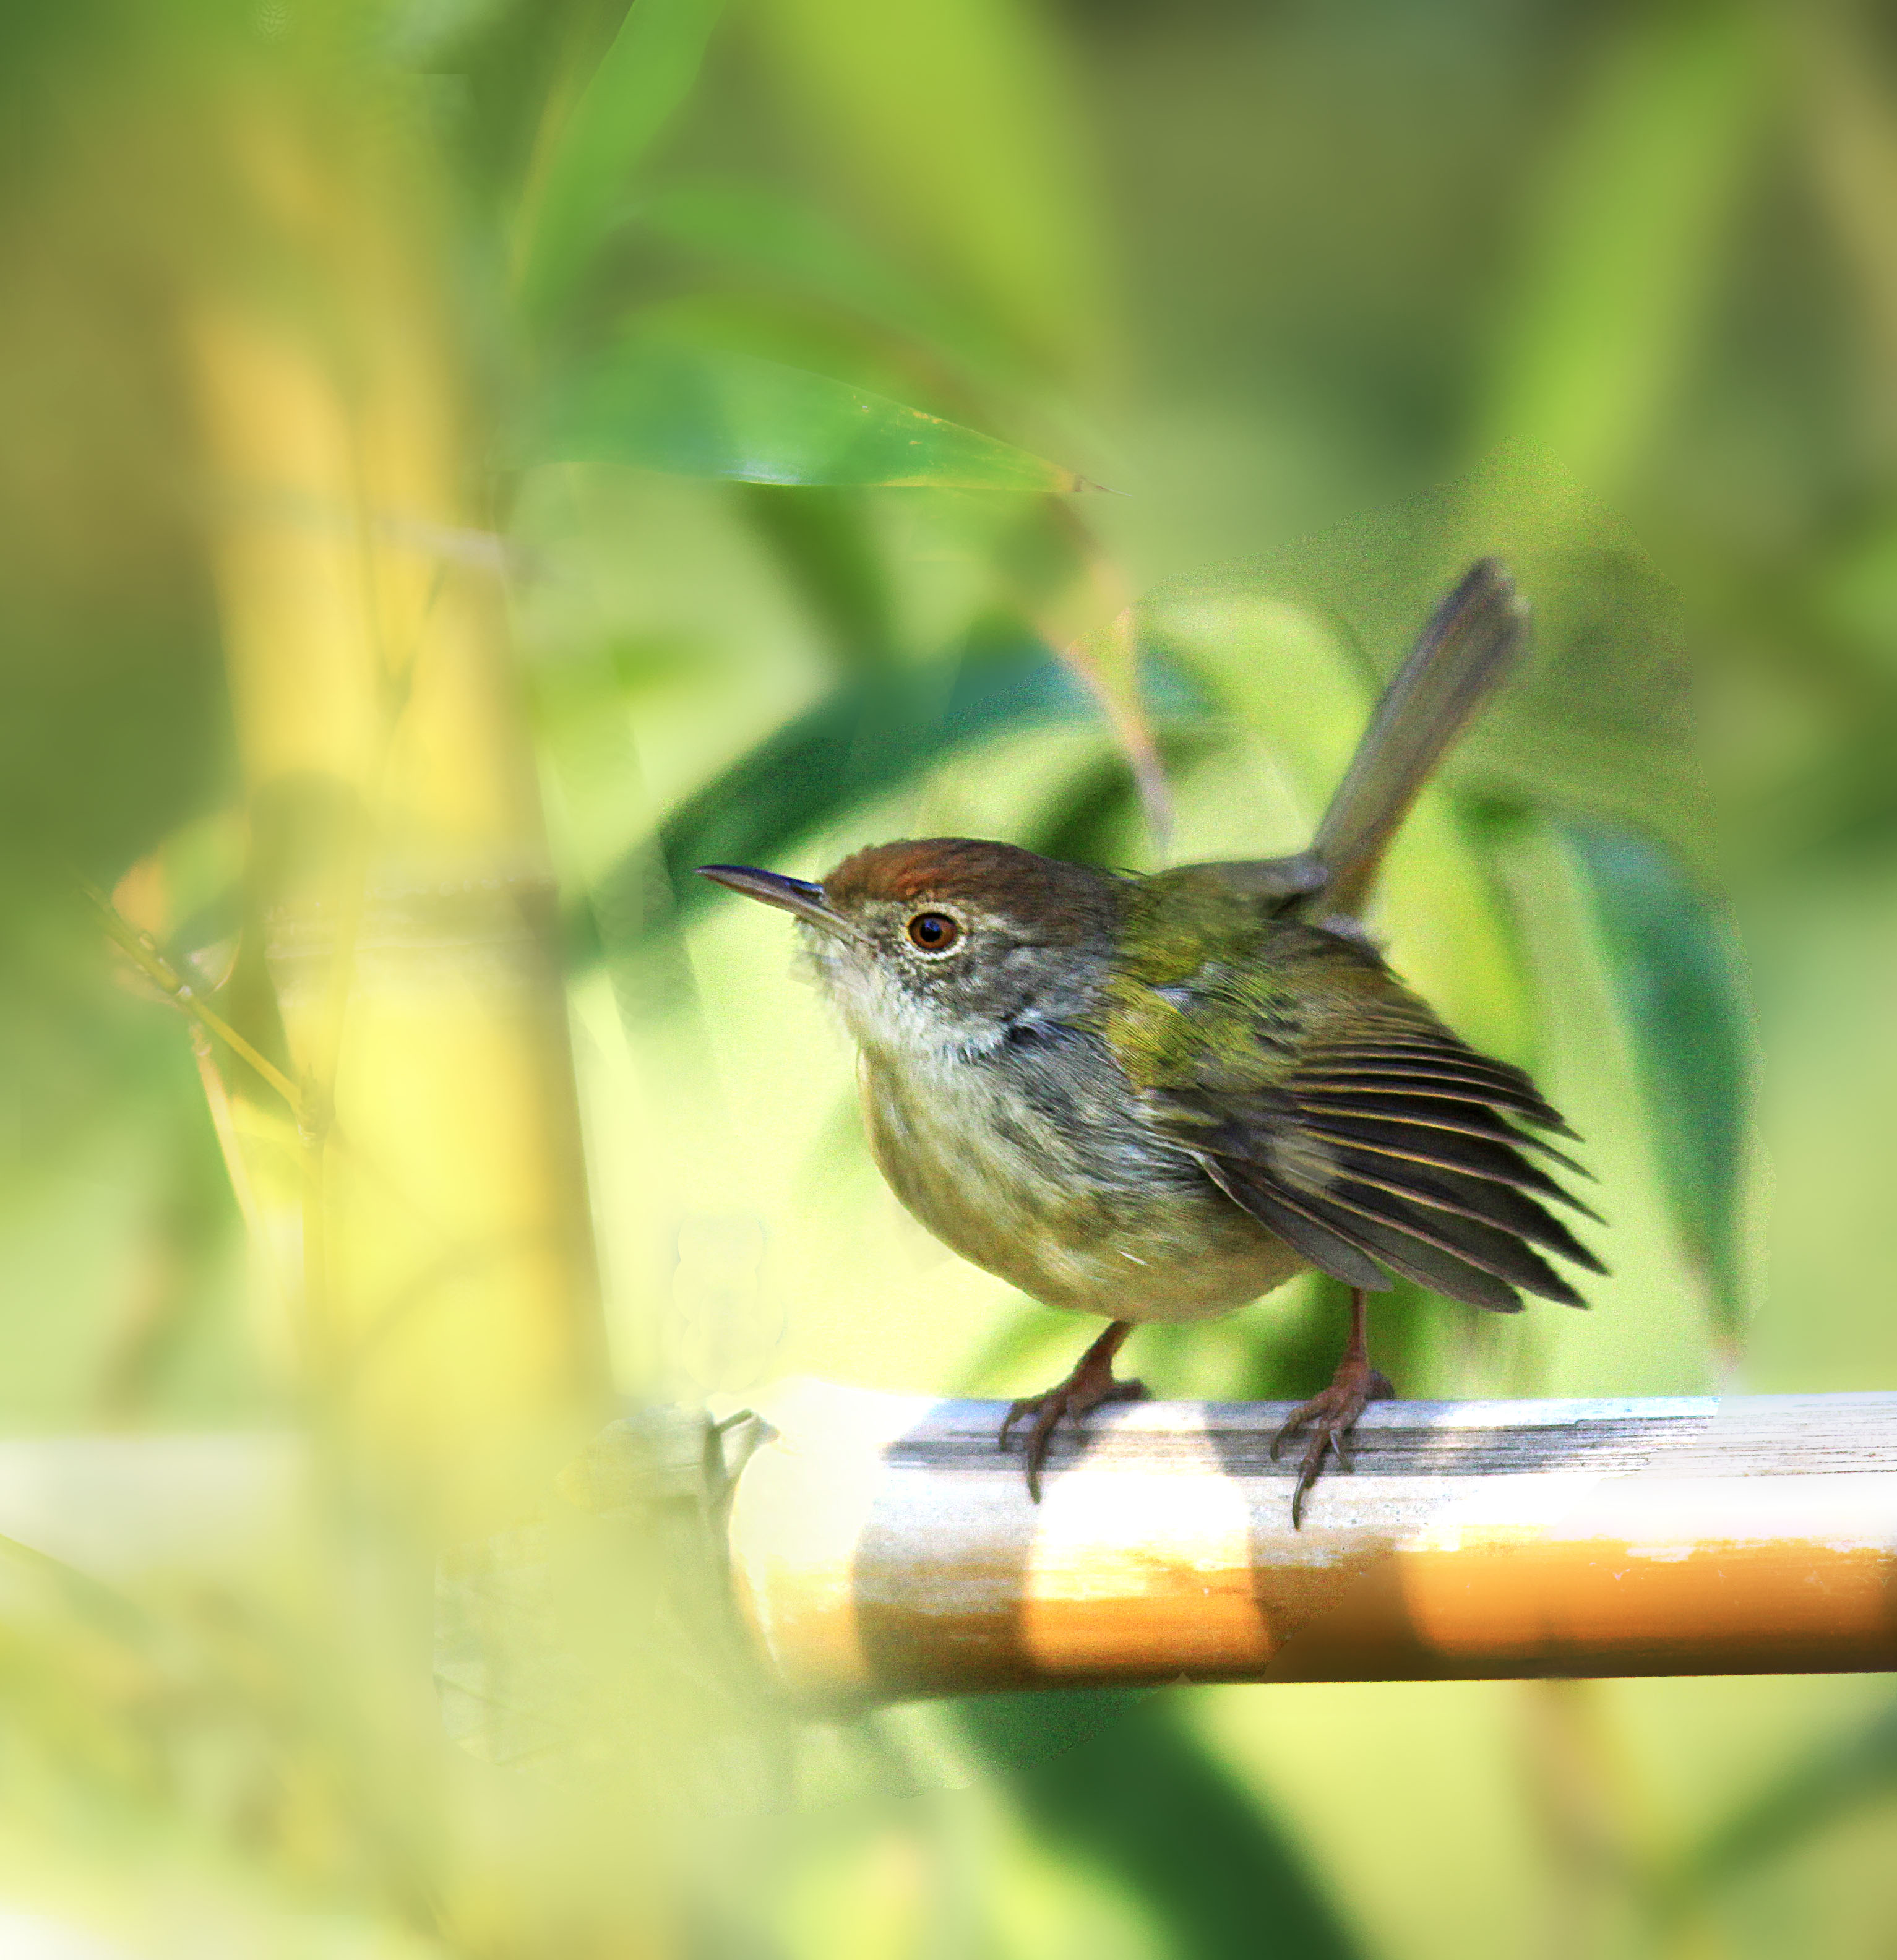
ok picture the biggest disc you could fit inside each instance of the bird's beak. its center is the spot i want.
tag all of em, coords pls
(789, 895)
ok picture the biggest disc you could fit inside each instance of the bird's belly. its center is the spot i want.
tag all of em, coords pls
(1048, 1207)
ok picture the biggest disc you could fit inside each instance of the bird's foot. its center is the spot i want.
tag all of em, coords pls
(1331, 1416)
(1092, 1384)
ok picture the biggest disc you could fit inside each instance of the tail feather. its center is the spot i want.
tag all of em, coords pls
(1471, 643)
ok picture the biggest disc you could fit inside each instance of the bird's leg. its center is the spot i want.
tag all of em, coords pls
(1092, 1382)
(1332, 1414)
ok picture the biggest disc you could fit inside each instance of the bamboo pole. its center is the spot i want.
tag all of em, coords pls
(882, 1548)
(878, 1548)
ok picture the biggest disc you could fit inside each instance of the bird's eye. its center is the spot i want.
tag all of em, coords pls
(933, 932)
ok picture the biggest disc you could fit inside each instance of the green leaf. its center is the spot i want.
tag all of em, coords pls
(873, 732)
(577, 192)
(1682, 993)
(705, 412)
(1849, 1770)
(958, 122)
(1636, 223)
(1117, 1778)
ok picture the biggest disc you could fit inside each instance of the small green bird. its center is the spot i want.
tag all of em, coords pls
(1157, 1098)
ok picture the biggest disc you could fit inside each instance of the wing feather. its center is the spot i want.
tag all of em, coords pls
(1351, 1122)
(1488, 1203)
(1489, 1153)
(1328, 1246)
(1383, 1080)
(1392, 1054)
(1411, 1258)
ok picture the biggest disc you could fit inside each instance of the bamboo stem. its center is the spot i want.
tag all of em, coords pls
(882, 1548)
(433, 1214)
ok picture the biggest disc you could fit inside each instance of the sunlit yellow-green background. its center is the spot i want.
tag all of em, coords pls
(465, 462)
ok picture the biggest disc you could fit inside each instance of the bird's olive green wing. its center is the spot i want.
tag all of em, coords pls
(1336, 1108)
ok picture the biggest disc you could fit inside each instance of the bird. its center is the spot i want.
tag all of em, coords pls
(1158, 1097)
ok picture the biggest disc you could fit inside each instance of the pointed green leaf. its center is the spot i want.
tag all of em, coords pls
(704, 412)
(1681, 990)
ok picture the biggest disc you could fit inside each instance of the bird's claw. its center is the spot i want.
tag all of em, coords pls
(1077, 1397)
(1332, 1416)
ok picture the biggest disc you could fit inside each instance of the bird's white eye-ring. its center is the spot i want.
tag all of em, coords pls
(933, 932)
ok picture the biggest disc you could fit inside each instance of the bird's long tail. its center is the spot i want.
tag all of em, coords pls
(1472, 640)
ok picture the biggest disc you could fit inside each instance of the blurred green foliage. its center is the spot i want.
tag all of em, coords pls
(1339, 295)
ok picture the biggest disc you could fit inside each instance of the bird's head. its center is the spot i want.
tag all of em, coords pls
(947, 947)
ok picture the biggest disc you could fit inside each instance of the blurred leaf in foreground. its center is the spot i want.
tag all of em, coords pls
(705, 412)
(583, 1646)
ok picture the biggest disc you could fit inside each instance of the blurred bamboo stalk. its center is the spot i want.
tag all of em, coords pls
(429, 1214)
(882, 1547)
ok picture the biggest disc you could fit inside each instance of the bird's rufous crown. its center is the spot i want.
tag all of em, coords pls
(996, 878)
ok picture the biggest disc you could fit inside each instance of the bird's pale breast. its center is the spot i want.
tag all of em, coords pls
(1040, 1175)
